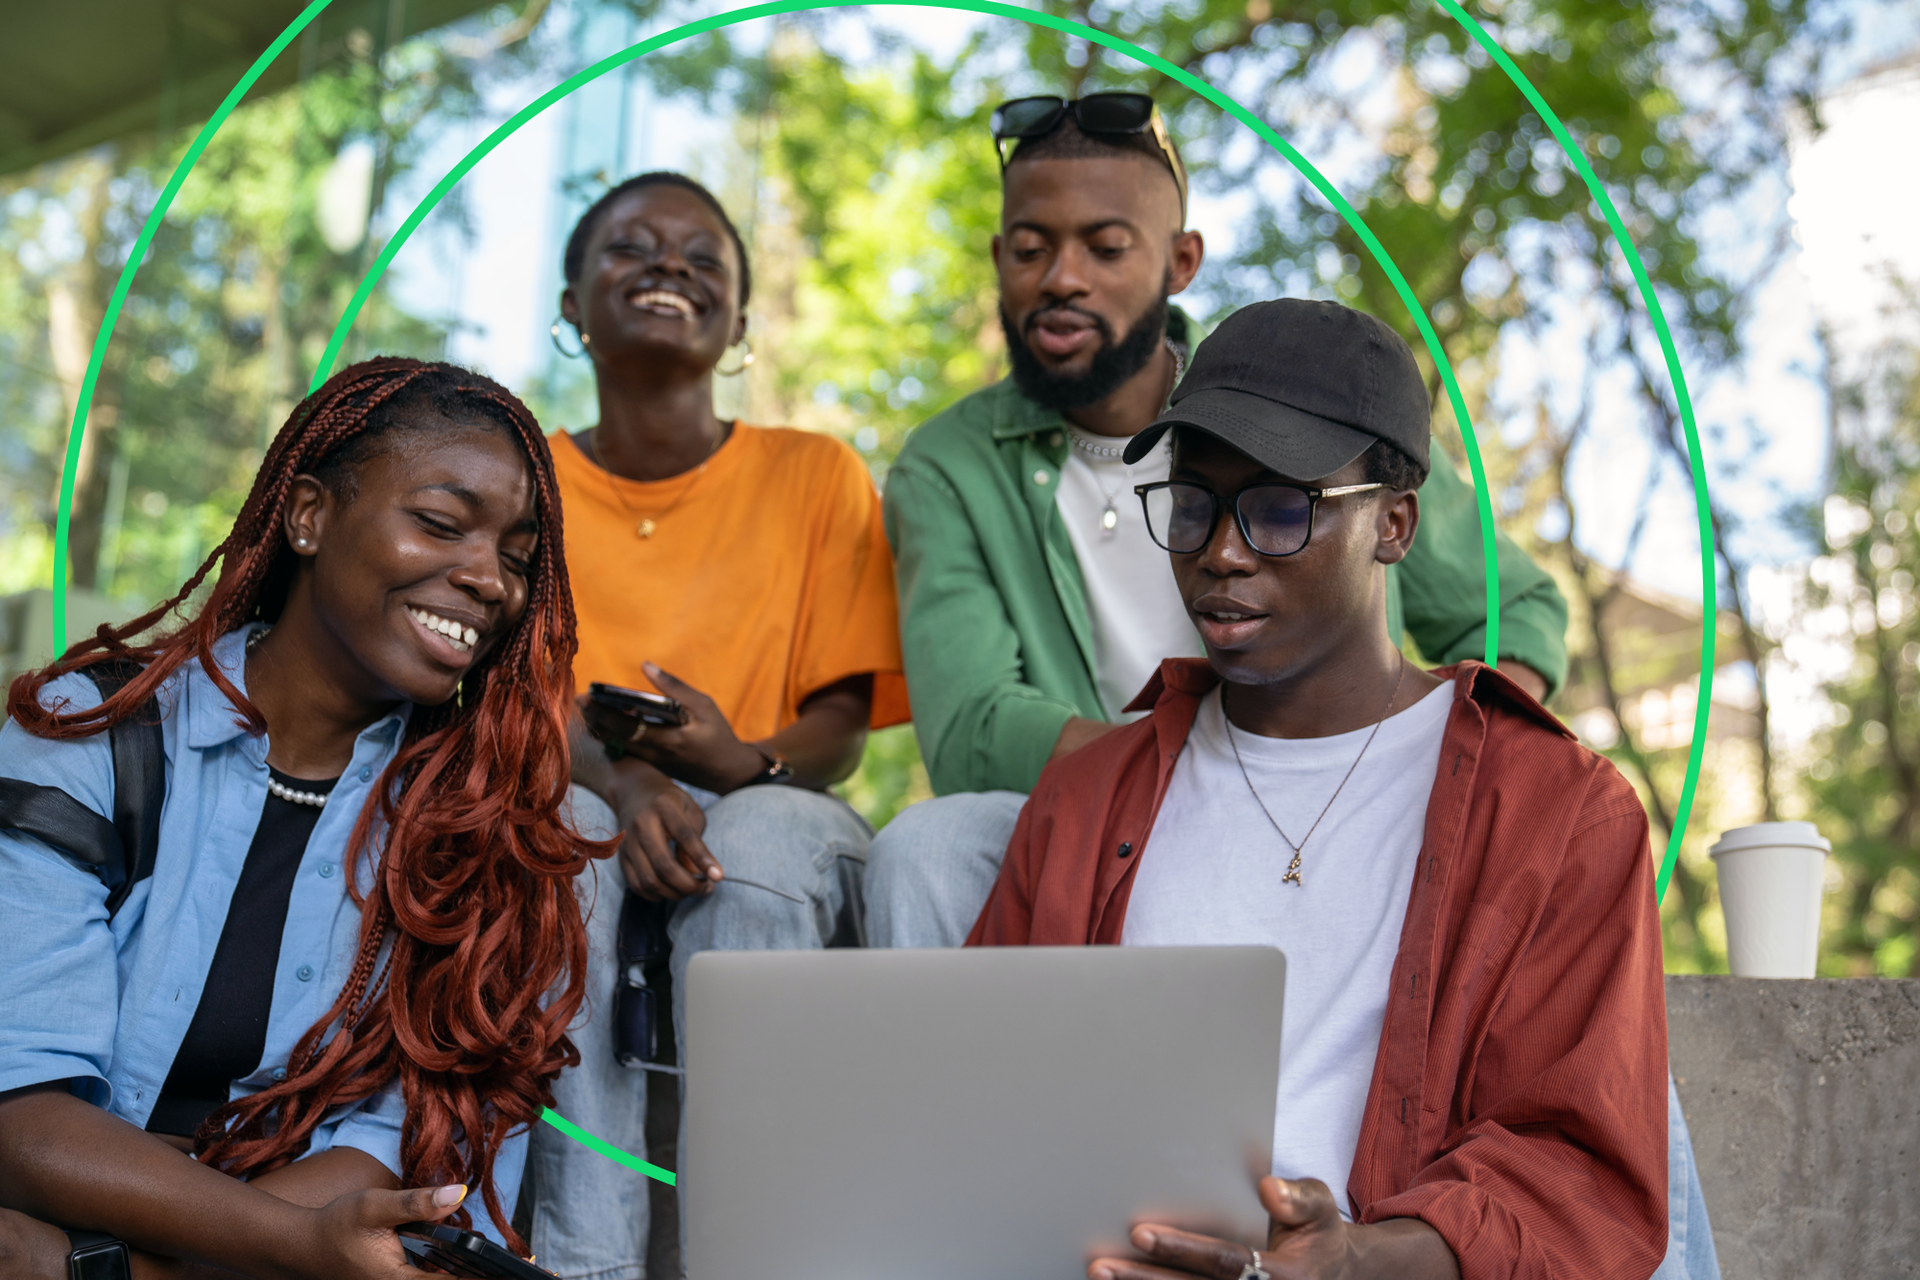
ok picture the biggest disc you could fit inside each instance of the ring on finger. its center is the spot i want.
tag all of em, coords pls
(639, 732)
(1253, 1270)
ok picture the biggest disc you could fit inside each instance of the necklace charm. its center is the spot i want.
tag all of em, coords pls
(649, 524)
(1292, 876)
(1109, 519)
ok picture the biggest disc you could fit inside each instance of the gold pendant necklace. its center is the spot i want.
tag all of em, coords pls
(648, 525)
(1293, 868)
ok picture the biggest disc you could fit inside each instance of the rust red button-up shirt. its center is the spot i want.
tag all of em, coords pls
(1518, 1102)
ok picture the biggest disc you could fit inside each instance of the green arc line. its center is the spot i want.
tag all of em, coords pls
(1709, 581)
(1065, 26)
(118, 300)
(607, 1149)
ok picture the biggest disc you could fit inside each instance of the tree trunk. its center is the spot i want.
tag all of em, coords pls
(75, 303)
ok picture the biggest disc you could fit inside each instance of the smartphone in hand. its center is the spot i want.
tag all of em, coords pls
(462, 1253)
(616, 715)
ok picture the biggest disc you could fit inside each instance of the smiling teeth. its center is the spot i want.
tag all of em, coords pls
(662, 298)
(1233, 617)
(461, 637)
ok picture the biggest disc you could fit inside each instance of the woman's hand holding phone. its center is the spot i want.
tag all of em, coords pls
(352, 1237)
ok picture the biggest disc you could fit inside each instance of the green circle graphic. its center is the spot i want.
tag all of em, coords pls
(1708, 585)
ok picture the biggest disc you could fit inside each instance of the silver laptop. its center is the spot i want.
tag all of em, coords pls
(989, 1114)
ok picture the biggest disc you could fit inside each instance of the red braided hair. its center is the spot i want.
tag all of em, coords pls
(475, 880)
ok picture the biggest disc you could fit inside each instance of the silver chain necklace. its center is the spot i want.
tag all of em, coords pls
(1293, 867)
(1109, 518)
(1110, 513)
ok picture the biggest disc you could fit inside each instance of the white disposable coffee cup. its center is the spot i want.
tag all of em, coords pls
(1771, 875)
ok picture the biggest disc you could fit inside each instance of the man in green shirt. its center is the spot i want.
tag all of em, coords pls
(1033, 604)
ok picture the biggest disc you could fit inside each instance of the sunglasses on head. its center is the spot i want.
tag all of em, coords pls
(1098, 114)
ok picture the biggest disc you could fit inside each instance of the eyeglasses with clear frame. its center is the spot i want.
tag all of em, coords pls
(1275, 516)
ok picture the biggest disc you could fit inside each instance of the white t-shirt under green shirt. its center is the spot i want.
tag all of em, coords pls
(1133, 605)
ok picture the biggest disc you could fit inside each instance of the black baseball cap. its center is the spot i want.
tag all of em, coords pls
(1302, 388)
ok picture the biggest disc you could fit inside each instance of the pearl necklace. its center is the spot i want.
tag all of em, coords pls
(315, 798)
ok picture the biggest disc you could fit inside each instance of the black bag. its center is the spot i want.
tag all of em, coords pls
(643, 991)
(121, 852)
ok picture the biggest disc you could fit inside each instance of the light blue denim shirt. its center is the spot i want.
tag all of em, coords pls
(106, 1006)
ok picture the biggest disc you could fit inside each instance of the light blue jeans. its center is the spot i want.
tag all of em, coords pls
(804, 853)
(1690, 1251)
(930, 870)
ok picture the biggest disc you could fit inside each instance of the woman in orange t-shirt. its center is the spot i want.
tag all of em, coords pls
(743, 571)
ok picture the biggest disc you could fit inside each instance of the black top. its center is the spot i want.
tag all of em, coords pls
(228, 1035)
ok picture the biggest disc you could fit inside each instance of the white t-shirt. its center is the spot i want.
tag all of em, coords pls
(1135, 609)
(1210, 876)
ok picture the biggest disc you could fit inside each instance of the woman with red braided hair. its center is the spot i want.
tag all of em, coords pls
(352, 963)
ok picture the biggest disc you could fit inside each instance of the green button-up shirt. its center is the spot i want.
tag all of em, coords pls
(993, 610)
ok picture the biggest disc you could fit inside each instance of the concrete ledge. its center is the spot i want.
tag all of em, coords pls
(1804, 1102)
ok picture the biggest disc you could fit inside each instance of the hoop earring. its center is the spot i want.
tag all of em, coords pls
(554, 334)
(745, 360)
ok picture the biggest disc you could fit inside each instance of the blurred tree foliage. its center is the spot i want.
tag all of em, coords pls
(1864, 782)
(871, 198)
(892, 203)
(881, 196)
(226, 319)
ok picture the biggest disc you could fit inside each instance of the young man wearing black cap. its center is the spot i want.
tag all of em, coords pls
(1033, 605)
(1473, 1074)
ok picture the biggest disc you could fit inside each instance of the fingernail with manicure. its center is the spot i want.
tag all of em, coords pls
(449, 1196)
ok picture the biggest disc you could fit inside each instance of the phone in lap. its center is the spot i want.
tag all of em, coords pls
(615, 714)
(462, 1253)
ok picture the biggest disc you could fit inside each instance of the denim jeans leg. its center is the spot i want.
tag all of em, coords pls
(930, 869)
(590, 1215)
(793, 863)
(1690, 1251)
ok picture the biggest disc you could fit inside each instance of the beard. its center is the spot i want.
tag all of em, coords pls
(1113, 362)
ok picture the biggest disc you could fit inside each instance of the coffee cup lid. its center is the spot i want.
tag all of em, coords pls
(1792, 835)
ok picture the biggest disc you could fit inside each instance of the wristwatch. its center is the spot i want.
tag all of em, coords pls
(777, 770)
(98, 1256)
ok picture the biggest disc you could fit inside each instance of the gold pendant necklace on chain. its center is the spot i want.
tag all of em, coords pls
(648, 525)
(1293, 867)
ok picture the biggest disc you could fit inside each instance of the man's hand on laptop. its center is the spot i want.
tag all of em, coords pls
(1306, 1240)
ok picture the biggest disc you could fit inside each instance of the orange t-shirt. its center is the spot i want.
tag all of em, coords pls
(767, 577)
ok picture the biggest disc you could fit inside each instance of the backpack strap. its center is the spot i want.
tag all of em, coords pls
(120, 850)
(52, 815)
(139, 781)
